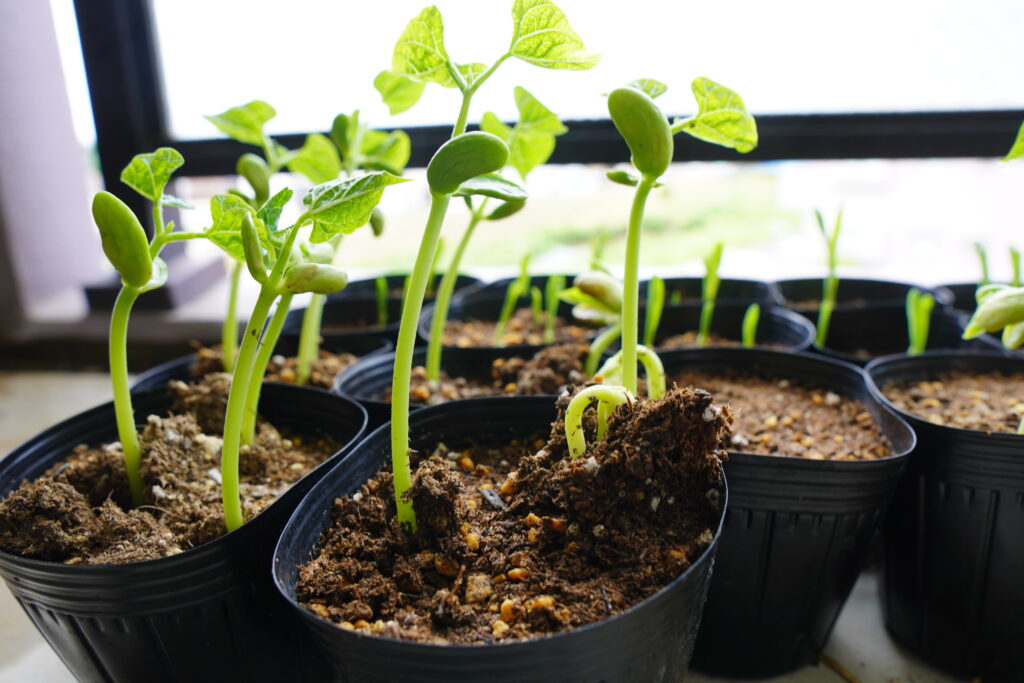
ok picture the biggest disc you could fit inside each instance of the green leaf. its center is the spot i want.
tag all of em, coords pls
(390, 149)
(528, 150)
(721, 119)
(420, 54)
(399, 92)
(1017, 151)
(650, 86)
(470, 72)
(270, 212)
(623, 177)
(531, 142)
(506, 209)
(490, 123)
(342, 131)
(228, 212)
(171, 200)
(534, 116)
(244, 123)
(541, 35)
(317, 159)
(346, 204)
(159, 277)
(492, 185)
(148, 174)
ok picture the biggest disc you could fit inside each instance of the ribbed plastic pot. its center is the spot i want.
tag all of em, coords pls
(953, 573)
(797, 532)
(208, 614)
(348, 321)
(856, 335)
(365, 381)
(652, 641)
(179, 368)
(479, 307)
(497, 288)
(730, 290)
(777, 326)
(367, 288)
(854, 293)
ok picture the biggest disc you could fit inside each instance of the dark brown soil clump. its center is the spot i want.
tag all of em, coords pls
(792, 418)
(521, 329)
(79, 511)
(549, 372)
(280, 368)
(516, 540)
(985, 401)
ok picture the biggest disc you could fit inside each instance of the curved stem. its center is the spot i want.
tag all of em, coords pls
(236, 408)
(259, 368)
(599, 346)
(611, 371)
(411, 310)
(631, 285)
(655, 371)
(309, 338)
(603, 394)
(444, 298)
(123, 411)
(229, 332)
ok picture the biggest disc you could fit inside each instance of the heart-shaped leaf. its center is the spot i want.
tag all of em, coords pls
(721, 119)
(346, 204)
(399, 92)
(541, 35)
(317, 159)
(270, 212)
(650, 86)
(420, 53)
(492, 185)
(148, 174)
(244, 123)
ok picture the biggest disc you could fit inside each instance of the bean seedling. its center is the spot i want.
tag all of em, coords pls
(830, 286)
(979, 249)
(597, 298)
(137, 260)
(655, 307)
(709, 293)
(517, 289)
(751, 318)
(531, 142)
(541, 35)
(1015, 264)
(919, 316)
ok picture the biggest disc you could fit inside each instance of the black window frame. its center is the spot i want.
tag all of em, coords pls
(126, 89)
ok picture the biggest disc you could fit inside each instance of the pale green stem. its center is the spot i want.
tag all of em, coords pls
(554, 285)
(828, 302)
(444, 299)
(707, 314)
(411, 309)
(751, 318)
(123, 411)
(537, 305)
(380, 285)
(599, 345)
(309, 338)
(611, 371)
(512, 294)
(655, 372)
(259, 368)
(603, 394)
(631, 284)
(229, 332)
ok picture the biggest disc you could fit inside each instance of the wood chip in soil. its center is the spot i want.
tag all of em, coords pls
(570, 543)
(984, 401)
(773, 416)
(79, 511)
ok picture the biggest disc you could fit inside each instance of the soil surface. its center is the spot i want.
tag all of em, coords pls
(521, 329)
(688, 340)
(549, 372)
(516, 540)
(280, 368)
(80, 512)
(788, 417)
(985, 401)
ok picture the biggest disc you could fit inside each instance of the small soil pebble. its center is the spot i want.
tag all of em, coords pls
(280, 368)
(774, 416)
(984, 401)
(550, 371)
(521, 329)
(80, 512)
(516, 540)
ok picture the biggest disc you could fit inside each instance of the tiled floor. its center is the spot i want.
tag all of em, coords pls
(29, 402)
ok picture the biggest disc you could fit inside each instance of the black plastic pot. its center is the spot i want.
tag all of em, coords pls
(730, 290)
(208, 614)
(497, 288)
(854, 293)
(348, 321)
(953, 575)
(480, 307)
(158, 376)
(365, 381)
(963, 295)
(367, 289)
(797, 531)
(650, 642)
(777, 326)
(857, 335)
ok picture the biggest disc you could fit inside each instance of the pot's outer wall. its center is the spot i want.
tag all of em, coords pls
(367, 288)
(650, 642)
(953, 577)
(207, 614)
(345, 312)
(797, 532)
(856, 292)
(730, 290)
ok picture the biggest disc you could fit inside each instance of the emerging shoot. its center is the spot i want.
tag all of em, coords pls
(517, 289)
(655, 307)
(381, 290)
(979, 249)
(751, 318)
(608, 398)
(1015, 263)
(830, 286)
(1000, 307)
(554, 285)
(919, 316)
(597, 298)
(611, 371)
(709, 293)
